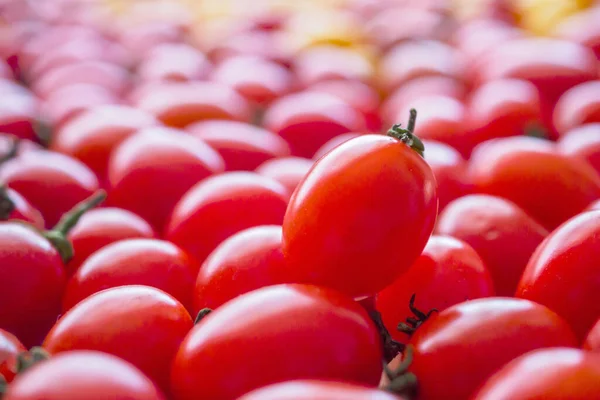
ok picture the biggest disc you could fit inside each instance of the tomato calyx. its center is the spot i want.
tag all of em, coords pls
(401, 381)
(536, 130)
(28, 359)
(412, 323)
(3, 386)
(43, 132)
(201, 314)
(391, 347)
(407, 135)
(6, 204)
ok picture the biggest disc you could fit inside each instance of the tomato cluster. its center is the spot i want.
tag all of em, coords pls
(313, 200)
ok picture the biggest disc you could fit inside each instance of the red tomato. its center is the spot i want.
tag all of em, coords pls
(179, 104)
(243, 146)
(139, 324)
(220, 206)
(10, 347)
(448, 272)
(354, 208)
(582, 142)
(89, 375)
(155, 158)
(174, 62)
(247, 260)
(288, 171)
(333, 143)
(318, 390)
(496, 329)
(92, 136)
(333, 338)
(263, 44)
(578, 105)
(141, 39)
(565, 264)
(530, 171)
(552, 374)
(52, 183)
(502, 233)
(582, 28)
(21, 209)
(29, 302)
(309, 119)
(19, 115)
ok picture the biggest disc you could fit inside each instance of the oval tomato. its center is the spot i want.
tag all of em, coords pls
(288, 171)
(578, 105)
(582, 142)
(10, 347)
(333, 143)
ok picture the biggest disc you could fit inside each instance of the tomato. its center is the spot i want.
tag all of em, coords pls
(83, 375)
(581, 28)
(247, 260)
(179, 104)
(307, 120)
(592, 340)
(448, 272)
(578, 105)
(530, 171)
(141, 39)
(317, 390)
(288, 171)
(242, 146)
(19, 114)
(582, 142)
(51, 182)
(18, 208)
(559, 373)
(354, 208)
(220, 206)
(562, 272)
(501, 232)
(174, 62)
(92, 136)
(139, 324)
(496, 329)
(333, 338)
(263, 44)
(154, 158)
(333, 143)
(10, 347)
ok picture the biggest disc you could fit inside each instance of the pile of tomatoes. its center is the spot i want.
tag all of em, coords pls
(334, 200)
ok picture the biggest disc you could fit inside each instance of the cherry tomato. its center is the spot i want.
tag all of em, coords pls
(562, 272)
(21, 209)
(582, 28)
(582, 142)
(530, 171)
(19, 113)
(139, 324)
(496, 329)
(578, 105)
(502, 233)
(10, 347)
(141, 39)
(307, 120)
(553, 374)
(354, 208)
(448, 272)
(333, 338)
(263, 44)
(333, 143)
(83, 374)
(92, 136)
(592, 340)
(288, 171)
(174, 62)
(317, 390)
(220, 206)
(51, 182)
(155, 158)
(242, 146)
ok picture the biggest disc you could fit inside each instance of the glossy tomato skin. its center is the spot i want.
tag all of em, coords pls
(529, 171)
(19, 115)
(362, 213)
(592, 340)
(334, 340)
(83, 375)
(448, 272)
(24, 211)
(556, 373)
(150, 262)
(578, 105)
(501, 233)
(220, 206)
(333, 143)
(153, 159)
(565, 264)
(582, 142)
(247, 260)
(317, 390)
(497, 329)
(110, 321)
(288, 171)
(30, 301)
(10, 347)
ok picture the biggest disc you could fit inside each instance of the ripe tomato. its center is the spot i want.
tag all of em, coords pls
(559, 373)
(19, 114)
(333, 338)
(82, 374)
(154, 158)
(10, 347)
(562, 272)
(578, 105)
(502, 233)
(177, 62)
(317, 390)
(307, 120)
(448, 272)
(220, 206)
(141, 39)
(247, 260)
(354, 208)
(496, 329)
(581, 28)
(263, 44)
(592, 340)
(530, 171)
(333, 143)
(582, 142)
(139, 324)
(18, 208)
(288, 171)
(243, 146)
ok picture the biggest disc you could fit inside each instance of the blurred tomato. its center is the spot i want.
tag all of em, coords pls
(174, 62)
(288, 171)
(10, 347)
(23, 211)
(578, 105)
(582, 142)
(581, 28)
